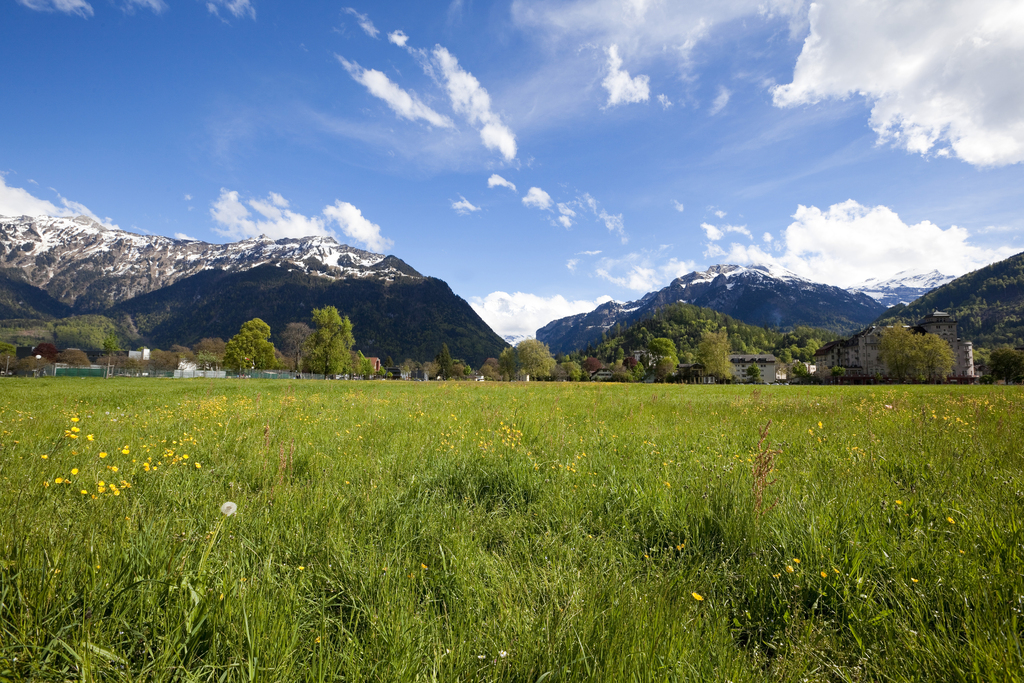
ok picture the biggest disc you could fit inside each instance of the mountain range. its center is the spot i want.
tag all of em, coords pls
(169, 291)
(757, 294)
(901, 288)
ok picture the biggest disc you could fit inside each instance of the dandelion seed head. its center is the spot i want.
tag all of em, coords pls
(228, 509)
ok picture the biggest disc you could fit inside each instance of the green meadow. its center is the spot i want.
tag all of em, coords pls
(509, 532)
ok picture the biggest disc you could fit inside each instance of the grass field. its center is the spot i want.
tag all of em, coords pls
(519, 532)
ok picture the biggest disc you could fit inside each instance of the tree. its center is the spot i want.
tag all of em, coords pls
(508, 363)
(897, 351)
(838, 371)
(329, 348)
(250, 348)
(934, 356)
(73, 357)
(713, 354)
(753, 373)
(535, 359)
(592, 365)
(47, 351)
(1007, 364)
(8, 355)
(292, 339)
(661, 349)
(490, 370)
(443, 361)
(572, 370)
(209, 353)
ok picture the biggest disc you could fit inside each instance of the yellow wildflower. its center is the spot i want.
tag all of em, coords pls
(423, 565)
(103, 455)
(74, 419)
(950, 520)
(697, 596)
(796, 560)
(90, 437)
(824, 575)
(914, 580)
(58, 480)
(789, 569)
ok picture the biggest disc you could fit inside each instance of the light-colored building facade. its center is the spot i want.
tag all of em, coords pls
(860, 355)
(766, 363)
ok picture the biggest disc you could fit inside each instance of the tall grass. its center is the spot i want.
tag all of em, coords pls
(541, 532)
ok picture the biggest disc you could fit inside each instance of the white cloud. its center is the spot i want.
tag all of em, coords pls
(523, 314)
(497, 181)
(936, 73)
(767, 237)
(183, 236)
(566, 215)
(571, 264)
(591, 253)
(720, 213)
(79, 7)
(721, 100)
(850, 243)
(665, 102)
(188, 197)
(14, 201)
(398, 38)
(355, 226)
(678, 205)
(157, 6)
(277, 221)
(614, 224)
(402, 103)
(463, 206)
(643, 272)
(471, 100)
(364, 22)
(239, 8)
(537, 198)
(715, 233)
(621, 88)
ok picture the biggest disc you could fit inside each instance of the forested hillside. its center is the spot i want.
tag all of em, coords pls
(685, 324)
(989, 304)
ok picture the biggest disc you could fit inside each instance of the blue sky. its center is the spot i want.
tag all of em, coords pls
(539, 156)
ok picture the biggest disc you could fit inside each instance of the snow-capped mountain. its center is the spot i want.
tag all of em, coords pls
(79, 261)
(903, 287)
(514, 339)
(756, 294)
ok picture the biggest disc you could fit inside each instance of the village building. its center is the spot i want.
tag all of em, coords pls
(860, 355)
(766, 363)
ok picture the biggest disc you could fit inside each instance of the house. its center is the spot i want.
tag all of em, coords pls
(396, 372)
(602, 375)
(375, 362)
(694, 373)
(766, 364)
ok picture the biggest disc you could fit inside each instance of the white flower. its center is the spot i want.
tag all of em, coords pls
(502, 654)
(228, 509)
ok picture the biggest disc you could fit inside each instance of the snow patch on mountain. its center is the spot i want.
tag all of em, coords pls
(903, 287)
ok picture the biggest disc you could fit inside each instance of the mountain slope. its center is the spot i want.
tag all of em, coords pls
(902, 288)
(989, 304)
(91, 267)
(757, 295)
(408, 318)
(18, 299)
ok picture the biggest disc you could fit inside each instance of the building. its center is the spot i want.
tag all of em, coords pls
(766, 363)
(694, 373)
(860, 355)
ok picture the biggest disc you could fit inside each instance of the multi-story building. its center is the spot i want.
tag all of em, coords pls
(765, 362)
(860, 355)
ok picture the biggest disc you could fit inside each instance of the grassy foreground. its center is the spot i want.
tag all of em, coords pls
(540, 532)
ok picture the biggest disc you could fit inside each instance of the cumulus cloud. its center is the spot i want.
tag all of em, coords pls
(463, 206)
(715, 233)
(721, 100)
(643, 272)
(523, 314)
(407, 106)
(79, 7)
(398, 38)
(356, 227)
(238, 8)
(622, 89)
(566, 215)
(537, 198)
(849, 243)
(364, 22)
(941, 76)
(497, 181)
(471, 100)
(15, 201)
(275, 220)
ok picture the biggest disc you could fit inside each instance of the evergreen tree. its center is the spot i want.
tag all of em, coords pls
(443, 361)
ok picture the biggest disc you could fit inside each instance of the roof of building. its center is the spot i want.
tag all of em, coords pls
(751, 358)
